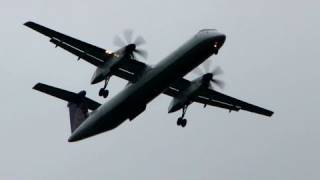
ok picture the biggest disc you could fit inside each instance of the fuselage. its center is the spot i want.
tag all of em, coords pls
(133, 100)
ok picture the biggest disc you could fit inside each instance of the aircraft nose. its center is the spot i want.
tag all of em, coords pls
(219, 40)
(222, 38)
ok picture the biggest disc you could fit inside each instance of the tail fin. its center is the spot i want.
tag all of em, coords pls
(78, 103)
(78, 113)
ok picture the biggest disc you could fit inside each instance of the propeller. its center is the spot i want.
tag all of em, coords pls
(131, 46)
(209, 75)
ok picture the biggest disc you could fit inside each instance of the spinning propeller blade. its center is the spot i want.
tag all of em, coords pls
(205, 70)
(127, 41)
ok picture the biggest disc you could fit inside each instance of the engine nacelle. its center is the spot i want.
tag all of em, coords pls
(177, 104)
(99, 75)
(184, 97)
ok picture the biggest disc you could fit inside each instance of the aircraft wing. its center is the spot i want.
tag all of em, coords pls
(65, 95)
(80, 54)
(214, 98)
(241, 105)
(182, 84)
(129, 70)
(66, 41)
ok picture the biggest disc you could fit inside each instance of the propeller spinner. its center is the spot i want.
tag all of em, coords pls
(131, 46)
(209, 75)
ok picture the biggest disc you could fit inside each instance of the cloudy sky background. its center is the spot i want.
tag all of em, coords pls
(270, 58)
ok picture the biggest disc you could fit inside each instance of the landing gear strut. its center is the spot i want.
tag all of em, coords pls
(181, 121)
(103, 91)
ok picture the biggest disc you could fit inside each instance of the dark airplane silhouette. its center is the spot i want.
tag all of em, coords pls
(146, 82)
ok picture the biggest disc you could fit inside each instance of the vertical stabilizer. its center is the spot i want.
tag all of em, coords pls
(78, 113)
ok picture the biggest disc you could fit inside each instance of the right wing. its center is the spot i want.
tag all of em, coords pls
(129, 70)
(80, 54)
(71, 44)
(65, 95)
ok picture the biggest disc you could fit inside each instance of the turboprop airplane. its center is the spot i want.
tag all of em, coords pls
(146, 82)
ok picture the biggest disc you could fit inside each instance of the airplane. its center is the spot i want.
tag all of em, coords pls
(146, 82)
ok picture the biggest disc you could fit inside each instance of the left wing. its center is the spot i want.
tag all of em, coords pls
(182, 84)
(214, 98)
(219, 97)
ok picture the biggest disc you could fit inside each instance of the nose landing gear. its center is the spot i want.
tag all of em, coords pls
(181, 121)
(103, 91)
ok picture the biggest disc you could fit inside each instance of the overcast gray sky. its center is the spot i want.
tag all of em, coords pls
(270, 58)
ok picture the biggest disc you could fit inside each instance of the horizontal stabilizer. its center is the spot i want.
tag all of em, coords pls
(66, 95)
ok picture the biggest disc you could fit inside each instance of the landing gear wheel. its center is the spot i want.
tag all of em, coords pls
(183, 123)
(105, 93)
(101, 92)
(179, 122)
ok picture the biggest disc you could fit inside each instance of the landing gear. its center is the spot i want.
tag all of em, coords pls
(181, 121)
(103, 91)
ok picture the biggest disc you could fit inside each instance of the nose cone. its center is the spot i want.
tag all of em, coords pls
(172, 109)
(222, 38)
(131, 48)
(175, 105)
(207, 77)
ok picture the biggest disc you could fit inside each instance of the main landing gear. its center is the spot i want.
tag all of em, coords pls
(181, 121)
(103, 91)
